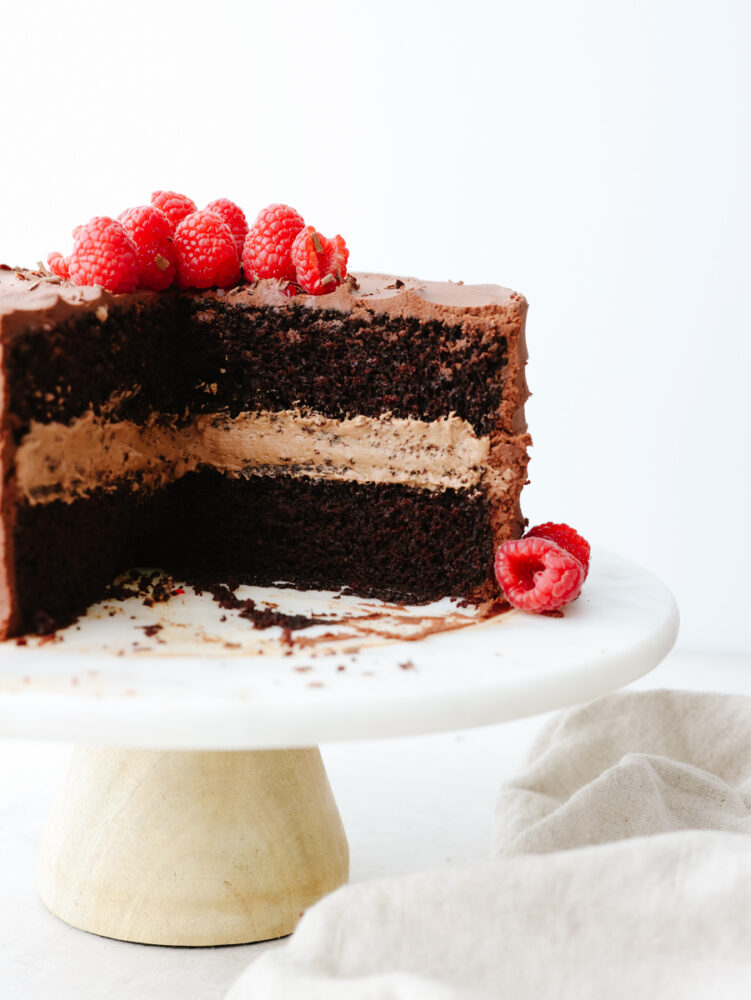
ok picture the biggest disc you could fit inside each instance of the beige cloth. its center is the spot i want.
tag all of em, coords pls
(623, 871)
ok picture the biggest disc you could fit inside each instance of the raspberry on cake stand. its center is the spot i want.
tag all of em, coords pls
(198, 811)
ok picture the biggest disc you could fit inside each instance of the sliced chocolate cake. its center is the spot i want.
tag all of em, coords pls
(372, 438)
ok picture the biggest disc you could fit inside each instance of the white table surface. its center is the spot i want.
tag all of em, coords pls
(407, 804)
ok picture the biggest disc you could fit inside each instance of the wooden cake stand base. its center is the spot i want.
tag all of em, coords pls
(192, 847)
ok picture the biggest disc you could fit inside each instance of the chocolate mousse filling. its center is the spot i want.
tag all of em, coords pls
(66, 462)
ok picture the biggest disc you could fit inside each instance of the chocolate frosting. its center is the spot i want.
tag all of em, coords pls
(26, 291)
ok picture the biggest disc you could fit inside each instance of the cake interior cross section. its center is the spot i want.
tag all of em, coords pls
(372, 438)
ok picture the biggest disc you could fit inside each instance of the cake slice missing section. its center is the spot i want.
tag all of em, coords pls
(373, 438)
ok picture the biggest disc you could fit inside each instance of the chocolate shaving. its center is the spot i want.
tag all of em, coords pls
(153, 586)
(260, 618)
(150, 629)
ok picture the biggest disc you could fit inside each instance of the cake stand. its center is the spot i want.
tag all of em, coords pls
(197, 810)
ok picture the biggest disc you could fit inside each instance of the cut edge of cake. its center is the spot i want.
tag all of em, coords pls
(35, 301)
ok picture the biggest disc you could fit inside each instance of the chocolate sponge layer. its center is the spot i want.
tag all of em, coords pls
(378, 540)
(195, 355)
(341, 364)
(386, 541)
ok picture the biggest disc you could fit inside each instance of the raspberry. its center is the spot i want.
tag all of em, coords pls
(234, 217)
(103, 254)
(175, 206)
(58, 264)
(151, 233)
(206, 252)
(567, 538)
(266, 251)
(320, 264)
(537, 574)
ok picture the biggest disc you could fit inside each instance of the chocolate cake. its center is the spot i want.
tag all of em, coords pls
(371, 439)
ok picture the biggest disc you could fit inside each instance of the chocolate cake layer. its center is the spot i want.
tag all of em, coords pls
(419, 350)
(378, 540)
(341, 364)
(115, 359)
(67, 553)
(201, 356)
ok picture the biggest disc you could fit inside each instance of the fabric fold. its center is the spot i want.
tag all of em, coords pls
(623, 870)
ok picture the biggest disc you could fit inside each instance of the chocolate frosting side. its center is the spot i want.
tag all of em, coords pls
(9, 613)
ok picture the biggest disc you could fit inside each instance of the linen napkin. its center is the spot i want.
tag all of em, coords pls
(623, 870)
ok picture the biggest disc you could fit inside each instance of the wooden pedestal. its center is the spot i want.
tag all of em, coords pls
(192, 848)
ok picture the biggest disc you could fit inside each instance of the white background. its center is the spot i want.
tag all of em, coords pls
(594, 156)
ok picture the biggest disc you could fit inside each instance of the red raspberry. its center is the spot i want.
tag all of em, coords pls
(103, 254)
(151, 233)
(234, 217)
(58, 264)
(538, 575)
(567, 538)
(320, 264)
(175, 206)
(266, 251)
(206, 252)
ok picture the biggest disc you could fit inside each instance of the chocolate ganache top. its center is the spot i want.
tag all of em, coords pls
(25, 291)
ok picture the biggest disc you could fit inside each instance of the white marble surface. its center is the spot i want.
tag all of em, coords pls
(187, 675)
(407, 804)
